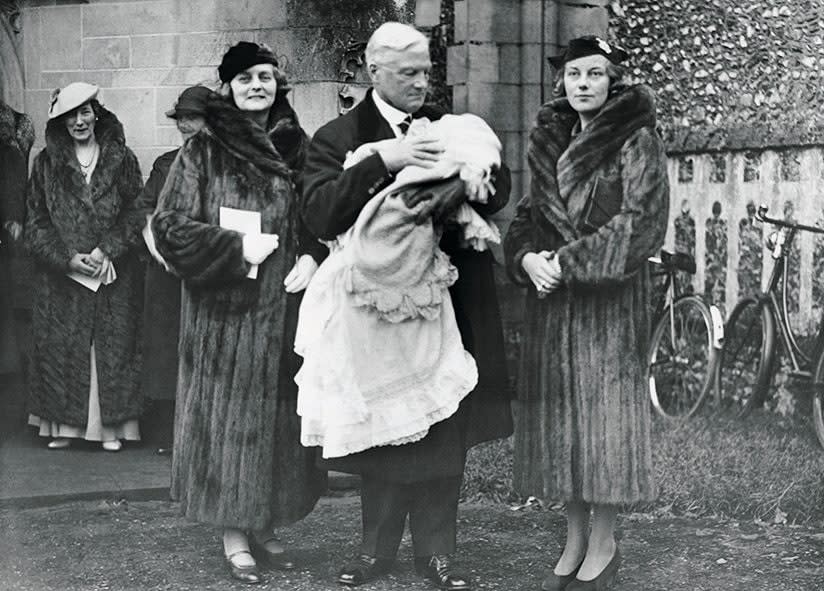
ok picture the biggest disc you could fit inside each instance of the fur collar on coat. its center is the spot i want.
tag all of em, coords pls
(112, 142)
(560, 161)
(280, 149)
(16, 129)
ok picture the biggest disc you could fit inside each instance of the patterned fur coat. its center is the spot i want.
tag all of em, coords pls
(583, 426)
(237, 457)
(64, 215)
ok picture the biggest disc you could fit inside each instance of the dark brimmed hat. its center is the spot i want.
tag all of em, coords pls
(243, 56)
(588, 45)
(191, 101)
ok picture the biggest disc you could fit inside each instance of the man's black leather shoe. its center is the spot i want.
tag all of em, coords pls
(438, 569)
(363, 569)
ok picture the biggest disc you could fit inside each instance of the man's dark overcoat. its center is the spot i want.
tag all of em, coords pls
(332, 200)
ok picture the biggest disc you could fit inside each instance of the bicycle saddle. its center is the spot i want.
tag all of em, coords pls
(678, 260)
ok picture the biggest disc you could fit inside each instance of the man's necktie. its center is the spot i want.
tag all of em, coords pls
(404, 125)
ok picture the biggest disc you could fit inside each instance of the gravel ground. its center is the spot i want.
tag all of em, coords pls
(146, 546)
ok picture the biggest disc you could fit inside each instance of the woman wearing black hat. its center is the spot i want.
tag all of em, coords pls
(596, 209)
(80, 208)
(162, 299)
(227, 223)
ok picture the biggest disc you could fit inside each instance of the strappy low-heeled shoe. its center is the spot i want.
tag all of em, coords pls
(275, 560)
(248, 574)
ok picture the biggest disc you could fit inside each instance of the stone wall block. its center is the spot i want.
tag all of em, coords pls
(513, 149)
(37, 107)
(131, 18)
(427, 13)
(460, 98)
(144, 77)
(510, 58)
(498, 104)
(146, 155)
(530, 104)
(152, 51)
(461, 32)
(51, 80)
(60, 47)
(457, 67)
(316, 103)
(106, 53)
(251, 14)
(494, 20)
(575, 21)
(133, 107)
(31, 47)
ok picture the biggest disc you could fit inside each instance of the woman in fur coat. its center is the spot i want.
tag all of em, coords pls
(85, 366)
(237, 460)
(596, 209)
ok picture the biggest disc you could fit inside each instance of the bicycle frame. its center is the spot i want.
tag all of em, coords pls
(780, 308)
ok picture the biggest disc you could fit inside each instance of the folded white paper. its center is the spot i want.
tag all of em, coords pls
(243, 221)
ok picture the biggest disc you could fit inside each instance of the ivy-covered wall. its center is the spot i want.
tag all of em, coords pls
(730, 74)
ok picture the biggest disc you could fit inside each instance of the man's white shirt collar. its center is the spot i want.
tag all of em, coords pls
(392, 115)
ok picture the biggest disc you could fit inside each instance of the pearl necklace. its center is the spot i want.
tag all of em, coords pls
(91, 158)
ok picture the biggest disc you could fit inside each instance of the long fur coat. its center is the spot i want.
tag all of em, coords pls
(583, 426)
(64, 215)
(237, 457)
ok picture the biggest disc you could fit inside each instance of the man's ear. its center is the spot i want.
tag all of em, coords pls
(373, 70)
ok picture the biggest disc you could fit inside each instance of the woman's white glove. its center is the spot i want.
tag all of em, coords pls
(300, 275)
(256, 247)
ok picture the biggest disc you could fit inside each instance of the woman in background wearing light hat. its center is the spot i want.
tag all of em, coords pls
(596, 209)
(237, 460)
(162, 303)
(80, 228)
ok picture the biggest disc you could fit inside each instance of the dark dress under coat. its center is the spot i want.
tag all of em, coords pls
(332, 200)
(237, 459)
(13, 171)
(64, 216)
(161, 327)
(583, 411)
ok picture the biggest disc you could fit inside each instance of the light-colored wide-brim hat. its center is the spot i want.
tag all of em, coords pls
(70, 97)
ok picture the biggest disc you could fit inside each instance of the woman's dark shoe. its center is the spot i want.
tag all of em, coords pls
(559, 582)
(363, 569)
(438, 569)
(604, 579)
(275, 560)
(248, 574)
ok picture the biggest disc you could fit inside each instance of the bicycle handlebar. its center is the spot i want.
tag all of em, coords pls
(761, 215)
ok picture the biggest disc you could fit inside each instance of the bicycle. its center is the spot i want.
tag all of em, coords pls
(748, 358)
(684, 343)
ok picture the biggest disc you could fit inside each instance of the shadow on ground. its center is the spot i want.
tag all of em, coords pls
(146, 546)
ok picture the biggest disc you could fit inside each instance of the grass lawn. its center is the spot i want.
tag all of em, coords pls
(764, 467)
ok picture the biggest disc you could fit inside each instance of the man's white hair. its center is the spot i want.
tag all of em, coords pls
(393, 36)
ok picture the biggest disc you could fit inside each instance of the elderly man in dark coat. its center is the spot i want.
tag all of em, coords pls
(420, 479)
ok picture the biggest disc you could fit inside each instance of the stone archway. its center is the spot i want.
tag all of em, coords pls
(12, 81)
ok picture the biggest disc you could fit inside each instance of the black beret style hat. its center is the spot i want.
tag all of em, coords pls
(588, 45)
(243, 56)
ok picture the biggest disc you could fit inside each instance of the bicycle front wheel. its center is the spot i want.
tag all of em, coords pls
(747, 356)
(818, 398)
(681, 358)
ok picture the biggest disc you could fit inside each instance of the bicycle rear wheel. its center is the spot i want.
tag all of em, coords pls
(746, 365)
(681, 358)
(818, 398)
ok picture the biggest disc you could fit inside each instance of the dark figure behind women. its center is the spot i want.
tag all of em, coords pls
(81, 207)
(421, 479)
(583, 424)
(237, 460)
(162, 299)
